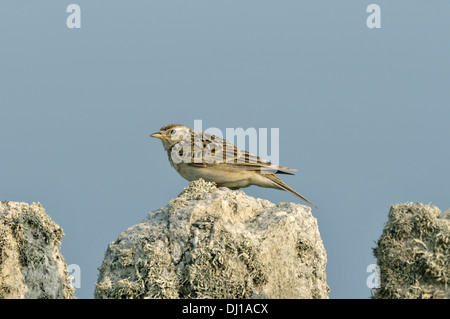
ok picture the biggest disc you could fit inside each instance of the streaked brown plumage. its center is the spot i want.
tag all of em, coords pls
(197, 155)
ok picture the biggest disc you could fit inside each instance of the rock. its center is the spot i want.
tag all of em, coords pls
(217, 243)
(31, 265)
(413, 253)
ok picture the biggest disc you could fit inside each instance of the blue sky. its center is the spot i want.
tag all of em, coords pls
(363, 114)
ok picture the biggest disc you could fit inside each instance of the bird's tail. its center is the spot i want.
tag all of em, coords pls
(279, 184)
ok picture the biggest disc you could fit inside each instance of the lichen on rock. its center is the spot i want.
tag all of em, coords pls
(31, 265)
(214, 242)
(413, 253)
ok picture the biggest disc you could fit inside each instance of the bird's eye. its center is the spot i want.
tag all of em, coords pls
(173, 132)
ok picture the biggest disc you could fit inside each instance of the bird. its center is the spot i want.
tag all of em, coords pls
(196, 155)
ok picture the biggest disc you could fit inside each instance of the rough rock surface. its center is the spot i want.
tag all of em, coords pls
(31, 265)
(413, 253)
(217, 243)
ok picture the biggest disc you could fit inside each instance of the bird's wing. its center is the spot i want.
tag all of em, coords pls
(206, 150)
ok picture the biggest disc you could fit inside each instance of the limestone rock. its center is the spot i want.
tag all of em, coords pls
(31, 265)
(217, 243)
(413, 253)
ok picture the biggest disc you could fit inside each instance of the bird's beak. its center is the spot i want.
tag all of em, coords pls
(158, 135)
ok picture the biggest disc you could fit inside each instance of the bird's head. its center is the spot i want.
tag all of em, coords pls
(171, 134)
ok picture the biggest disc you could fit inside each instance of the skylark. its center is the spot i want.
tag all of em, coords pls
(197, 155)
